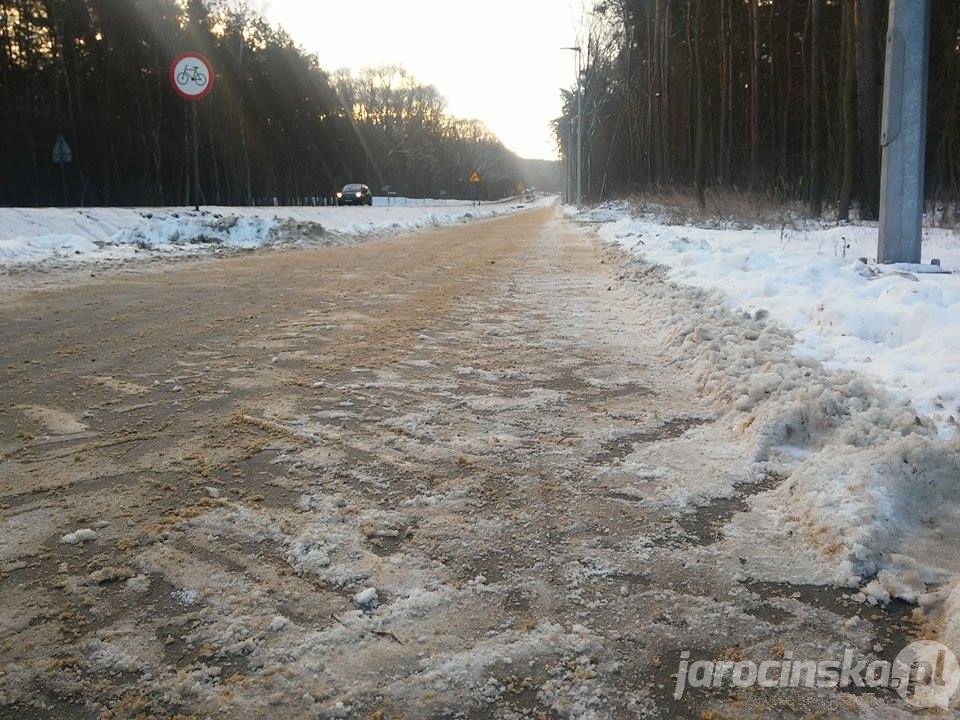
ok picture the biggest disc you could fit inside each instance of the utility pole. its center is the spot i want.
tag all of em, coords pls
(579, 51)
(568, 165)
(579, 135)
(903, 133)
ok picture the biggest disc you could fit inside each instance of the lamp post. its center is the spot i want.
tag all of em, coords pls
(578, 50)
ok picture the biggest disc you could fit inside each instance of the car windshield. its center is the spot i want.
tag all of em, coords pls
(352, 188)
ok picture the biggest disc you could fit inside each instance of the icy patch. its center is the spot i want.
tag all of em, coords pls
(138, 584)
(471, 677)
(384, 524)
(107, 657)
(532, 399)
(185, 596)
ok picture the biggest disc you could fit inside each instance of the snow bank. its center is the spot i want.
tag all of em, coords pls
(57, 236)
(864, 491)
(900, 328)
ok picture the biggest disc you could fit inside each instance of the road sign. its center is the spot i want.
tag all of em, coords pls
(61, 151)
(474, 177)
(191, 76)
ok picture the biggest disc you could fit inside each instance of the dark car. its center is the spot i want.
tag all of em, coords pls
(355, 194)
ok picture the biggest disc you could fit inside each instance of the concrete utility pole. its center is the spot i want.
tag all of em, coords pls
(904, 131)
(578, 50)
(579, 135)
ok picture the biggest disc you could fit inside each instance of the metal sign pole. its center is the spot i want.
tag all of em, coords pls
(196, 160)
(192, 78)
(62, 154)
(903, 134)
(63, 181)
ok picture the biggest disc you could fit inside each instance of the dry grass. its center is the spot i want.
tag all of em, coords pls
(736, 209)
(722, 208)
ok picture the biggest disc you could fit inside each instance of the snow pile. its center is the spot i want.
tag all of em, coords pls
(78, 536)
(367, 598)
(945, 614)
(864, 490)
(901, 328)
(194, 229)
(45, 236)
(849, 513)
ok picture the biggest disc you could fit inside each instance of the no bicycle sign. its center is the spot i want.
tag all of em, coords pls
(191, 75)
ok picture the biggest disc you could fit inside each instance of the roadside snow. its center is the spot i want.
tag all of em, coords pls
(58, 236)
(900, 328)
(863, 483)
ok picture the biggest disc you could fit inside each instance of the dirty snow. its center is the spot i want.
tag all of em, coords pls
(43, 236)
(900, 328)
(78, 536)
(859, 448)
(557, 485)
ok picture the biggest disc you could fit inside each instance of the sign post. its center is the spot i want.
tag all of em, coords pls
(191, 76)
(475, 185)
(62, 154)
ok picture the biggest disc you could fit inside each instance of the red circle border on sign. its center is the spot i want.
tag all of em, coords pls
(173, 80)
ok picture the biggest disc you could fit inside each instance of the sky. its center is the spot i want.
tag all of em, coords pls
(498, 61)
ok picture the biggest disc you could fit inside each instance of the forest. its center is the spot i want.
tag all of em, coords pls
(275, 128)
(780, 98)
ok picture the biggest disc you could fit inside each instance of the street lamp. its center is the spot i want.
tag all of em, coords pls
(577, 49)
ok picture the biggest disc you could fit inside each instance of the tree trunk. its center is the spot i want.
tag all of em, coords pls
(700, 132)
(869, 101)
(816, 100)
(754, 93)
(849, 130)
(724, 79)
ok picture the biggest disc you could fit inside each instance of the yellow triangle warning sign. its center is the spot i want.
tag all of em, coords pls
(474, 177)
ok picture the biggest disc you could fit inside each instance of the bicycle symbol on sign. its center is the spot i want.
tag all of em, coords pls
(191, 73)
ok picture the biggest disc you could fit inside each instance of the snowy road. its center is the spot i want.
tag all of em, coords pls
(495, 427)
